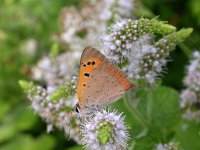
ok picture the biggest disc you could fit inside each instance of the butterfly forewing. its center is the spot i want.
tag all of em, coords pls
(100, 81)
(90, 59)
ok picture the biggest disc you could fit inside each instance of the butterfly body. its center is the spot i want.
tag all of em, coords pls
(100, 81)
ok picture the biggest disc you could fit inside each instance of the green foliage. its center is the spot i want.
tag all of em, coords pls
(188, 134)
(24, 142)
(195, 9)
(75, 148)
(157, 111)
(59, 93)
(160, 106)
(21, 20)
(25, 85)
(63, 91)
(22, 120)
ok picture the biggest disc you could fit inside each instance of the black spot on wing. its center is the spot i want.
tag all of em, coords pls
(86, 74)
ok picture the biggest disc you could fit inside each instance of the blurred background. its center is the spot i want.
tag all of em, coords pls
(27, 32)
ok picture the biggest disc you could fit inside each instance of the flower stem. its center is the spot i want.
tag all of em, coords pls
(185, 49)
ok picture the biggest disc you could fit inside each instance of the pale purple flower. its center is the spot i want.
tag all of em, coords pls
(55, 111)
(104, 130)
(91, 21)
(168, 146)
(131, 44)
(55, 71)
(192, 80)
(190, 97)
(29, 47)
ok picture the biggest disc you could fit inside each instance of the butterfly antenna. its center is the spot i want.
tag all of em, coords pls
(69, 125)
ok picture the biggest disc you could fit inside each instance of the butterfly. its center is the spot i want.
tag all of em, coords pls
(100, 81)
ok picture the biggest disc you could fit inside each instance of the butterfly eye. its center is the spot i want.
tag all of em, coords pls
(88, 63)
(77, 110)
(93, 63)
(84, 65)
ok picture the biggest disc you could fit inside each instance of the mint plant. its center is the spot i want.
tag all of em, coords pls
(148, 116)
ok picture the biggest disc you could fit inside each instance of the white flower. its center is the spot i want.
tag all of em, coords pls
(190, 97)
(144, 61)
(55, 71)
(120, 7)
(105, 130)
(57, 112)
(169, 146)
(84, 27)
(29, 47)
(49, 128)
(192, 115)
(192, 80)
(130, 44)
(70, 27)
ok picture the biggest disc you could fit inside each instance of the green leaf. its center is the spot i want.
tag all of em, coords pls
(155, 113)
(59, 93)
(160, 106)
(25, 85)
(144, 143)
(26, 142)
(45, 142)
(22, 142)
(20, 119)
(76, 148)
(4, 108)
(25, 119)
(134, 127)
(7, 131)
(188, 134)
(54, 50)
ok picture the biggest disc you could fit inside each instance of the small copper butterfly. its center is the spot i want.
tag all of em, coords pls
(100, 81)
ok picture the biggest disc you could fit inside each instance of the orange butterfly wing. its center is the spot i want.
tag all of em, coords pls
(88, 63)
(100, 82)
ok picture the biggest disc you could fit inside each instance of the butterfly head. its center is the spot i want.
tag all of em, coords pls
(86, 111)
(77, 108)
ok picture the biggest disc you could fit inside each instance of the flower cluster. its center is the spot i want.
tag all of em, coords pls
(106, 130)
(123, 8)
(192, 79)
(124, 34)
(54, 108)
(190, 97)
(55, 71)
(89, 23)
(169, 146)
(131, 44)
